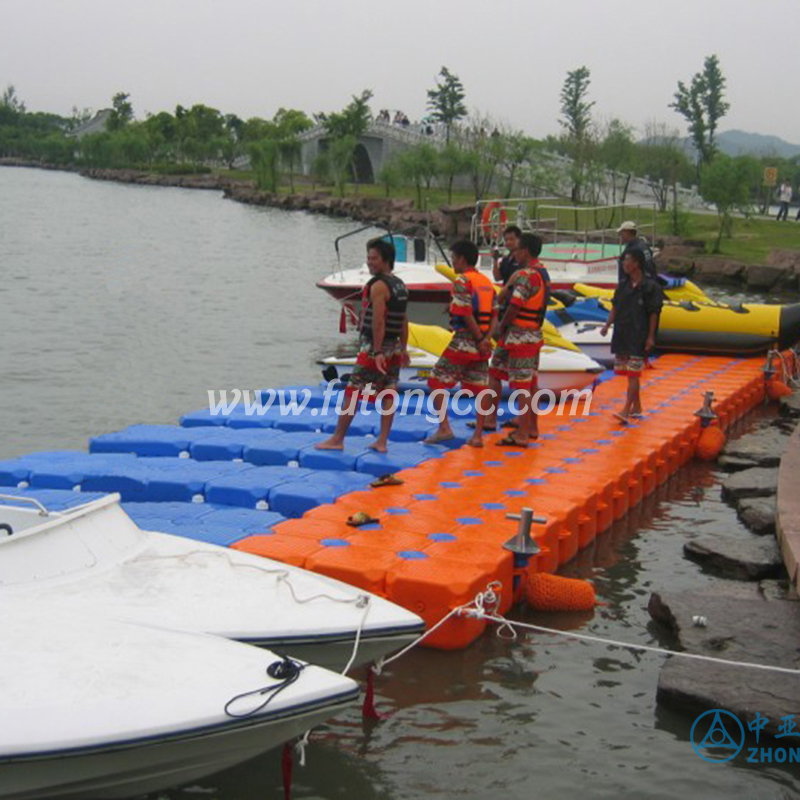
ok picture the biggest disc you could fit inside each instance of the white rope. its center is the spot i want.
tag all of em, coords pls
(357, 641)
(300, 747)
(490, 596)
(503, 622)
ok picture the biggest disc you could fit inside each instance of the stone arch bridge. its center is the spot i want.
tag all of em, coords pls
(375, 147)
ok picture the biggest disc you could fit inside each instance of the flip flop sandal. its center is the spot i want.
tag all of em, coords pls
(621, 418)
(387, 480)
(360, 518)
(510, 423)
(437, 439)
(510, 441)
(472, 424)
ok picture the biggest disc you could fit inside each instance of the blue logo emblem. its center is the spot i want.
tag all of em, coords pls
(717, 736)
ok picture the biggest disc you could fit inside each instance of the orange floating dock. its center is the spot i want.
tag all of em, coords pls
(439, 537)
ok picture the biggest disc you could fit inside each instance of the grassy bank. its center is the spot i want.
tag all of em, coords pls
(751, 242)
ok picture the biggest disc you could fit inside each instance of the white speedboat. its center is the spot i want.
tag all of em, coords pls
(580, 246)
(588, 336)
(94, 557)
(429, 292)
(97, 708)
(559, 370)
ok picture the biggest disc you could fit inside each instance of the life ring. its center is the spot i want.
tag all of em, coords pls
(493, 221)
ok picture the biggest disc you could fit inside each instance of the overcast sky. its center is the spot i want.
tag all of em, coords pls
(250, 57)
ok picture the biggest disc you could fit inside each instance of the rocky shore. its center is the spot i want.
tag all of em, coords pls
(678, 256)
(752, 611)
(687, 258)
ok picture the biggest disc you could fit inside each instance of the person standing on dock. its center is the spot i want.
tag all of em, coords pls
(519, 340)
(630, 240)
(473, 311)
(502, 270)
(382, 350)
(636, 308)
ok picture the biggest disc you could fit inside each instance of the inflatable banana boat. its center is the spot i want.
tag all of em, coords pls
(559, 369)
(702, 326)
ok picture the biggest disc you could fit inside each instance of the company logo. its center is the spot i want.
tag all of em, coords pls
(718, 736)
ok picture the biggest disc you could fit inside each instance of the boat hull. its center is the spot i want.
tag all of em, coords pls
(142, 767)
(429, 292)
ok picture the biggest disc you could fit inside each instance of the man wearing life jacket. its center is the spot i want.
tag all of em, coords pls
(466, 359)
(519, 340)
(382, 350)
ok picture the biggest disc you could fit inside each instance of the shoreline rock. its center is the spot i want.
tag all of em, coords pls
(683, 257)
(740, 626)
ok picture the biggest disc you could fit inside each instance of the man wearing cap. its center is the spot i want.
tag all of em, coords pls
(630, 241)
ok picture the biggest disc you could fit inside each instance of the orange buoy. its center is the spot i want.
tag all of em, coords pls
(554, 593)
(493, 221)
(710, 443)
(777, 389)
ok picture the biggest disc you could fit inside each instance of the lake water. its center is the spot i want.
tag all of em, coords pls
(125, 304)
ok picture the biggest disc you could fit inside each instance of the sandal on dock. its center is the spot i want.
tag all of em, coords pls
(472, 424)
(387, 480)
(360, 518)
(510, 441)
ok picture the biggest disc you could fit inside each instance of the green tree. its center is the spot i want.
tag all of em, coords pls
(340, 160)
(265, 160)
(702, 105)
(11, 100)
(446, 101)
(121, 112)
(453, 161)
(617, 151)
(344, 129)
(353, 120)
(726, 182)
(518, 149)
(390, 176)
(419, 166)
(576, 119)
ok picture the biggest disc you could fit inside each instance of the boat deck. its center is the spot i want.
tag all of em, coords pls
(255, 482)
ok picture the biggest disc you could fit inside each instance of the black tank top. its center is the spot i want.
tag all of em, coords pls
(395, 307)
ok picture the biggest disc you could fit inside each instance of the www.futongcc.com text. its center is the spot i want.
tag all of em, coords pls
(294, 402)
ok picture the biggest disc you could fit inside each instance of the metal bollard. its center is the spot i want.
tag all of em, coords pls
(521, 545)
(706, 413)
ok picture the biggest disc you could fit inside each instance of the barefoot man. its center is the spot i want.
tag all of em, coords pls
(634, 315)
(466, 359)
(382, 349)
(519, 340)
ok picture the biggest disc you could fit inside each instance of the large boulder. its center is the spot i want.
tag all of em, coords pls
(676, 265)
(790, 406)
(757, 514)
(739, 559)
(785, 259)
(765, 276)
(719, 270)
(755, 629)
(762, 448)
(757, 482)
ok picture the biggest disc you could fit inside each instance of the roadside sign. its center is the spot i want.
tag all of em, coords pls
(770, 176)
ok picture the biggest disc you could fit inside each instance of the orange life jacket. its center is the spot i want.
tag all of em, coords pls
(531, 313)
(482, 302)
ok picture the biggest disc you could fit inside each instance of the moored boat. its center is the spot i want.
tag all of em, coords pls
(95, 557)
(97, 708)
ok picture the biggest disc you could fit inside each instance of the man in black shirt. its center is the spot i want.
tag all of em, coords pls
(630, 241)
(503, 270)
(637, 305)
